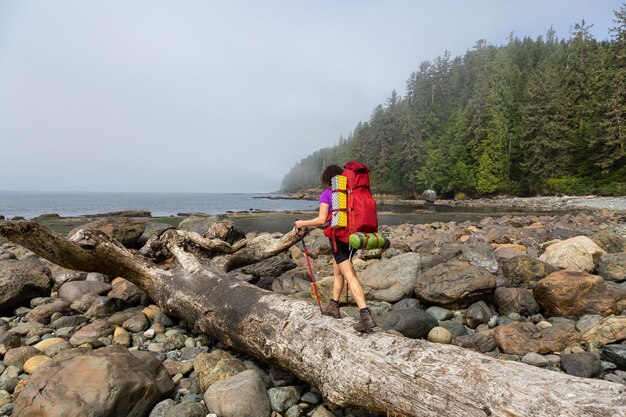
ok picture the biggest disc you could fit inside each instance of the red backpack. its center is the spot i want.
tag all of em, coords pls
(360, 205)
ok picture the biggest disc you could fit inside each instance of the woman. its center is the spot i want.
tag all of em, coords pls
(342, 265)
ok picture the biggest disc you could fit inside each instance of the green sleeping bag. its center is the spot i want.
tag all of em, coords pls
(361, 240)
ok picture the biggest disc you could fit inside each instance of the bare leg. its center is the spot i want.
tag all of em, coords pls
(338, 283)
(347, 270)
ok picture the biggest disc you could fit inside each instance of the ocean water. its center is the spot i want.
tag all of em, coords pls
(66, 204)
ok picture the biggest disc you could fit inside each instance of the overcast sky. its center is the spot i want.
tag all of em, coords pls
(206, 96)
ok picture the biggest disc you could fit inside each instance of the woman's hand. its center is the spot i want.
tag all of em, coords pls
(299, 224)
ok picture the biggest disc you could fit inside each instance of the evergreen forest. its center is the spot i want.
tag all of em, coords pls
(534, 116)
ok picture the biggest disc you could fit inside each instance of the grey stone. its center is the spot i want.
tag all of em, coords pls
(478, 313)
(161, 409)
(440, 313)
(587, 321)
(105, 306)
(480, 254)
(583, 364)
(535, 359)
(313, 398)
(68, 321)
(615, 353)
(136, 323)
(281, 378)
(197, 224)
(282, 398)
(407, 303)
(73, 291)
(454, 326)
(241, 395)
(21, 281)
(414, 323)
(392, 279)
(612, 266)
(187, 408)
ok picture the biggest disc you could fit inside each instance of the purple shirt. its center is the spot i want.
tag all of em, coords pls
(327, 196)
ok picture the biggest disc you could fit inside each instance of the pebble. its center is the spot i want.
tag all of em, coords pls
(34, 363)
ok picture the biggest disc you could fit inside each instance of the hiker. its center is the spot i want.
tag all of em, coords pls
(342, 264)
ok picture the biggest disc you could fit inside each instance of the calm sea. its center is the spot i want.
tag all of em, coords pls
(33, 204)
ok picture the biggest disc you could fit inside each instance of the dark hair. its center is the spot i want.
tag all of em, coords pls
(329, 173)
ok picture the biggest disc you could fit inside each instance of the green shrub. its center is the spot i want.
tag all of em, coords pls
(614, 189)
(460, 196)
(566, 185)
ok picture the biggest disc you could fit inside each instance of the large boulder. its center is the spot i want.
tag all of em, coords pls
(454, 284)
(242, 395)
(572, 294)
(612, 266)
(197, 224)
(413, 323)
(520, 338)
(609, 330)
(611, 242)
(515, 300)
(271, 267)
(123, 229)
(576, 254)
(120, 383)
(522, 271)
(21, 281)
(392, 279)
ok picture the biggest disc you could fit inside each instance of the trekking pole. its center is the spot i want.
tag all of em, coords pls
(308, 263)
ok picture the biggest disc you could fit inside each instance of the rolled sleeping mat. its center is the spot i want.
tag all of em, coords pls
(362, 240)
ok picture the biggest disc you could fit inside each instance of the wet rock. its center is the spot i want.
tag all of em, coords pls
(572, 294)
(392, 279)
(616, 354)
(42, 313)
(583, 364)
(520, 338)
(515, 300)
(612, 267)
(22, 280)
(120, 384)
(73, 291)
(414, 323)
(123, 229)
(522, 271)
(454, 284)
(241, 395)
(576, 254)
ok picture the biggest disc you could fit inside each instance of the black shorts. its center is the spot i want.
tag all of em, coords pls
(343, 250)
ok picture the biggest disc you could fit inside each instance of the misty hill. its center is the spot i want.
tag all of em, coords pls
(543, 115)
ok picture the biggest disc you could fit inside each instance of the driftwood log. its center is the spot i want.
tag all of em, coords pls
(380, 372)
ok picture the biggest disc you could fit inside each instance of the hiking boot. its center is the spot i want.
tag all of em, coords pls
(367, 323)
(331, 309)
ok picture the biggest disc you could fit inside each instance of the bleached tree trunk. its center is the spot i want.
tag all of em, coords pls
(380, 372)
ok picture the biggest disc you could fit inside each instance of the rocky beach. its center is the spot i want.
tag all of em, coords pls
(545, 290)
